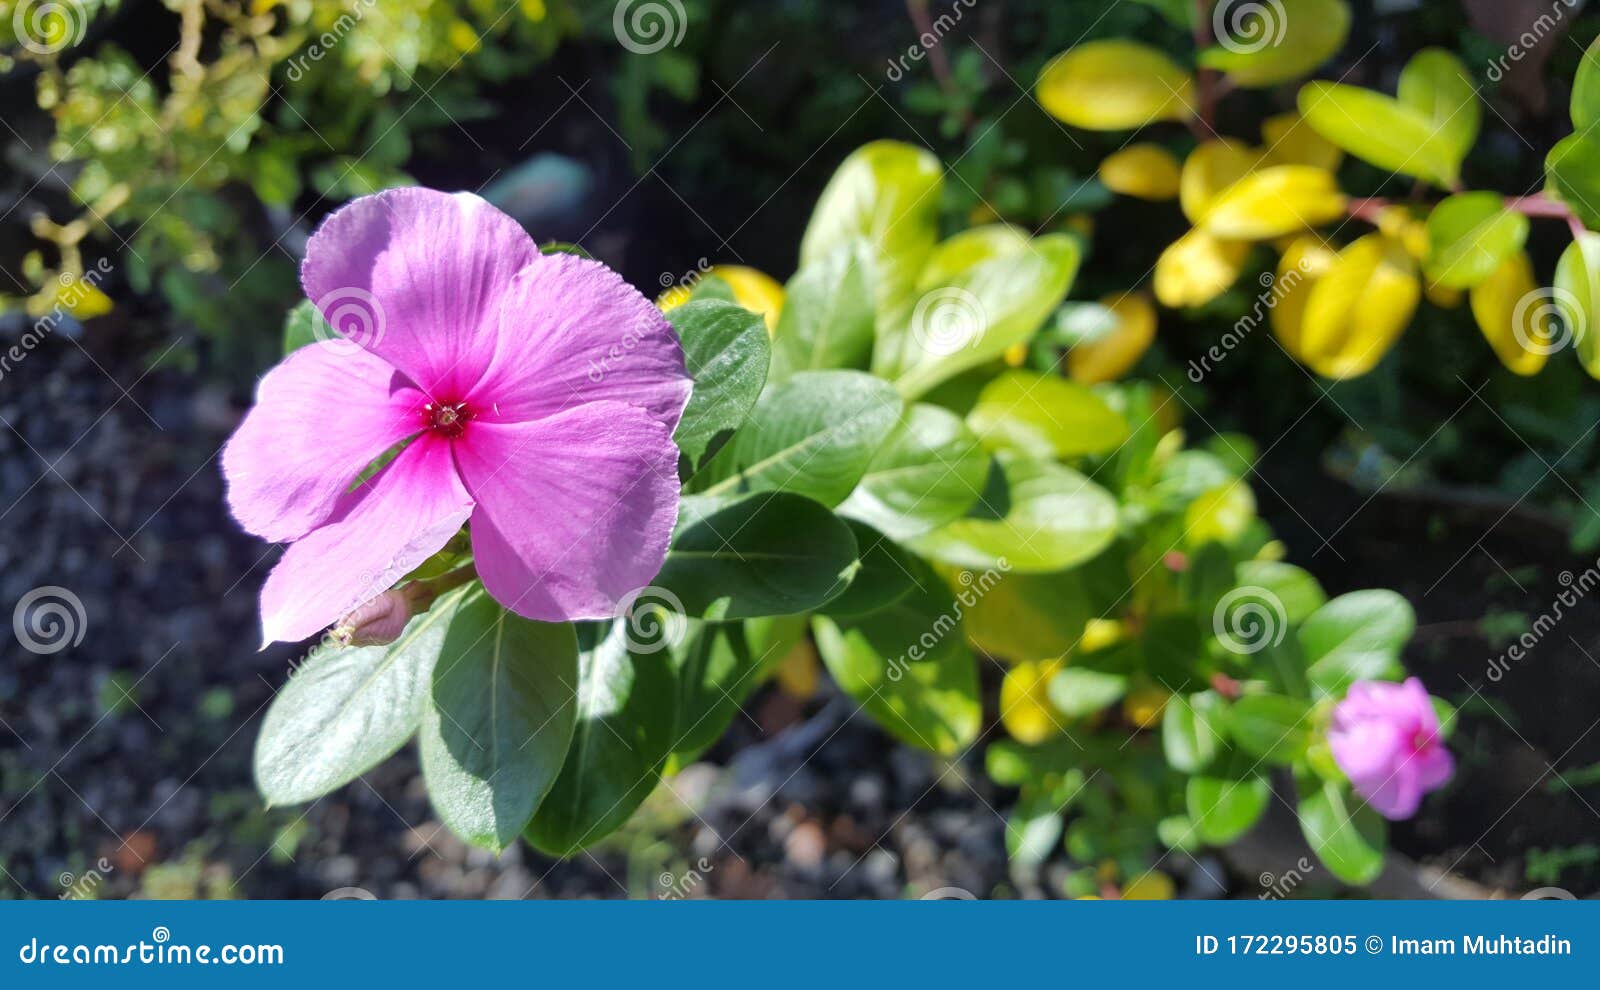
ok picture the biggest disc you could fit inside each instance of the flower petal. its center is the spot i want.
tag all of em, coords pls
(415, 276)
(381, 531)
(321, 416)
(572, 331)
(574, 510)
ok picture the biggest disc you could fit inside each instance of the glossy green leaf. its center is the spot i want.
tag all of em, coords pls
(1224, 808)
(1469, 235)
(1021, 617)
(1193, 730)
(1586, 89)
(1078, 691)
(1357, 636)
(718, 665)
(726, 352)
(304, 325)
(1380, 130)
(767, 554)
(812, 435)
(1438, 87)
(1295, 591)
(1271, 727)
(884, 574)
(1264, 44)
(1573, 168)
(626, 717)
(928, 472)
(503, 708)
(346, 709)
(1033, 517)
(1348, 837)
(828, 316)
(1577, 296)
(1045, 416)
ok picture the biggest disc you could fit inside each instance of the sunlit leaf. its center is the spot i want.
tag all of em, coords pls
(1115, 85)
(1145, 170)
(1515, 315)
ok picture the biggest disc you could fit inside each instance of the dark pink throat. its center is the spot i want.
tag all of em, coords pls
(446, 419)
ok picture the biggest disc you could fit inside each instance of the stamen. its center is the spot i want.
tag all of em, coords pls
(448, 419)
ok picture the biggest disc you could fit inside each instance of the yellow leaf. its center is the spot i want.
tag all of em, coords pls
(1274, 201)
(1291, 141)
(1304, 261)
(752, 288)
(1358, 308)
(1515, 315)
(1115, 85)
(1098, 634)
(1143, 705)
(1211, 168)
(1016, 355)
(84, 300)
(1403, 225)
(462, 37)
(1109, 357)
(798, 672)
(1025, 708)
(1219, 515)
(1197, 268)
(1150, 887)
(1147, 171)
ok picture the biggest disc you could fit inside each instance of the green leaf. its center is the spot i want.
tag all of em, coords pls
(1297, 593)
(883, 575)
(726, 352)
(1469, 235)
(768, 554)
(1577, 296)
(813, 435)
(1573, 168)
(496, 735)
(828, 316)
(1271, 727)
(1438, 87)
(1381, 131)
(1357, 636)
(718, 665)
(1586, 89)
(1045, 416)
(1349, 840)
(885, 195)
(1192, 730)
(1264, 44)
(927, 473)
(347, 709)
(1078, 691)
(625, 728)
(1024, 616)
(984, 290)
(1034, 517)
(304, 325)
(1224, 808)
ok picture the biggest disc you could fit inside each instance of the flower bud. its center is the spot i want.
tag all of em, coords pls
(376, 623)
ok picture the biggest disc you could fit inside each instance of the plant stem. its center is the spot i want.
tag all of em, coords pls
(1206, 80)
(422, 594)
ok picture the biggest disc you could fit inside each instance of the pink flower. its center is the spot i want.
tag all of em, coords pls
(1385, 737)
(538, 394)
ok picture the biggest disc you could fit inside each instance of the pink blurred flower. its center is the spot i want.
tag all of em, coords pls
(1385, 737)
(454, 333)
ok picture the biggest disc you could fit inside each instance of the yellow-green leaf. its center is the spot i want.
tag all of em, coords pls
(1274, 201)
(1469, 235)
(1515, 315)
(1359, 307)
(1197, 268)
(1436, 85)
(1145, 171)
(1115, 85)
(1577, 294)
(1263, 44)
(1045, 416)
(1289, 140)
(1381, 130)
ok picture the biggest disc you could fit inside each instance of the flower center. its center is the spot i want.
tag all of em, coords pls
(448, 419)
